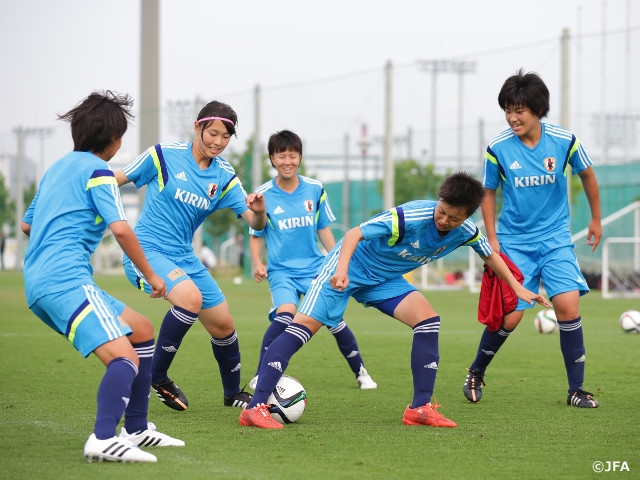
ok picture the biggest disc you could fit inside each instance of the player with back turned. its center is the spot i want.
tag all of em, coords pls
(77, 200)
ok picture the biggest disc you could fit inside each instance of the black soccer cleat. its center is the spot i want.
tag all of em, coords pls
(582, 399)
(240, 399)
(472, 387)
(170, 394)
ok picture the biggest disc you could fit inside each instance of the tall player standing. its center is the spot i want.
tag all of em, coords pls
(76, 201)
(530, 162)
(185, 183)
(299, 214)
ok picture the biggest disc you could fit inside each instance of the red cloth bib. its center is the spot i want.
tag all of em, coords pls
(497, 299)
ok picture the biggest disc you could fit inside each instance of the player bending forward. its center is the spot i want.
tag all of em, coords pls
(77, 200)
(368, 264)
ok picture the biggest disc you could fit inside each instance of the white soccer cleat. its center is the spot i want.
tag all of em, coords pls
(149, 438)
(365, 381)
(253, 383)
(114, 449)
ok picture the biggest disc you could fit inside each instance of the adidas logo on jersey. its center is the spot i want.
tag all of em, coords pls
(276, 365)
(415, 244)
(432, 365)
(515, 166)
(278, 210)
(181, 176)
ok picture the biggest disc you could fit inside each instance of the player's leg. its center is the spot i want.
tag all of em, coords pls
(137, 429)
(274, 364)
(414, 310)
(219, 324)
(564, 284)
(527, 258)
(348, 346)
(186, 299)
(85, 316)
(279, 319)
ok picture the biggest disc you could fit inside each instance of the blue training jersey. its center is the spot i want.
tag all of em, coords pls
(77, 200)
(180, 195)
(533, 181)
(293, 221)
(405, 237)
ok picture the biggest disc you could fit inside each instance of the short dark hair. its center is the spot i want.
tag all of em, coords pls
(527, 90)
(98, 120)
(219, 109)
(462, 190)
(284, 140)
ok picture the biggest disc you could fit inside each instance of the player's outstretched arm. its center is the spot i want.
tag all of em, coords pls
(495, 262)
(130, 245)
(121, 178)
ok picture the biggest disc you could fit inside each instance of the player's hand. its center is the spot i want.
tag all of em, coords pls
(256, 203)
(594, 234)
(158, 287)
(260, 272)
(339, 281)
(530, 297)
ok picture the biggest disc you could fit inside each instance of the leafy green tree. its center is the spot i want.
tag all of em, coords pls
(6, 213)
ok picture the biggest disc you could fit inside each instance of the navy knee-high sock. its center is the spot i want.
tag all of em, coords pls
(175, 325)
(135, 415)
(490, 343)
(113, 394)
(277, 359)
(573, 351)
(424, 360)
(227, 353)
(275, 328)
(348, 345)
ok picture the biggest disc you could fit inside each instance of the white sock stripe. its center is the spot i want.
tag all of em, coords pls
(429, 328)
(338, 328)
(145, 352)
(183, 317)
(284, 319)
(223, 342)
(298, 332)
(569, 328)
(131, 364)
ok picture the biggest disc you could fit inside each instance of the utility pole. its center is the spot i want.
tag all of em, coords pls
(459, 67)
(19, 196)
(364, 146)
(346, 190)
(564, 99)
(389, 172)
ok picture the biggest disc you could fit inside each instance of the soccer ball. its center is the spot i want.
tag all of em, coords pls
(288, 400)
(630, 321)
(546, 321)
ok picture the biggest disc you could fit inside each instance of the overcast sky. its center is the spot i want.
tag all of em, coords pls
(320, 65)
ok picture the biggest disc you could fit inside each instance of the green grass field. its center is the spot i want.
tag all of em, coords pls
(521, 429)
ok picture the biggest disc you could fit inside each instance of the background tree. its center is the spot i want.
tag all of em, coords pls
(414, 181)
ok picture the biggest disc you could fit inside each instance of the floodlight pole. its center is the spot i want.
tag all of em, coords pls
(459, 67)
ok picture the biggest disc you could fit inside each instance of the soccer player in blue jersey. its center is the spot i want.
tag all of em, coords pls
(530, 162)
(77, 200)
(367, 264)
(299, 214)
(185, 183)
